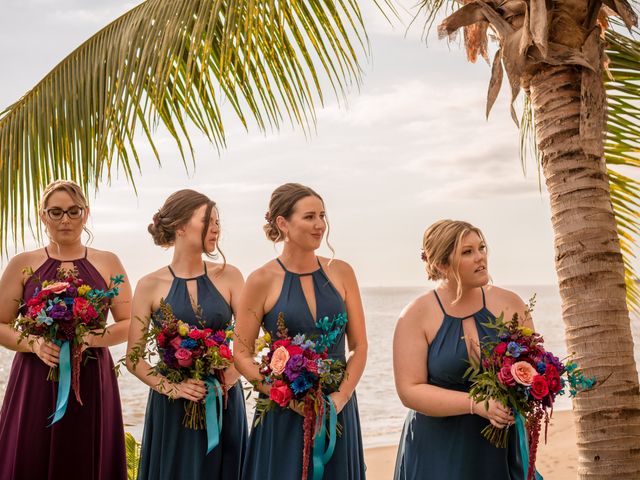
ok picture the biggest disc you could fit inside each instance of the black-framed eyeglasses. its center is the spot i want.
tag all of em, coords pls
(57, 213)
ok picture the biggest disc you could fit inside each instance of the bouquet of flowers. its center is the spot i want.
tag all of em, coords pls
(187, 351)
(300, 372)
(64, 311)
(518, 372)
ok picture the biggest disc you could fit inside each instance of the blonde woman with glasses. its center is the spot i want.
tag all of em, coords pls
(88, 441)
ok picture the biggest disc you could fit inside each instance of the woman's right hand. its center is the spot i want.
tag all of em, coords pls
(189, 389)
(48, 352)
(498, 415)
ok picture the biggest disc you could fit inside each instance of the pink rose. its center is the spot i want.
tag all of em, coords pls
(539, 387)
(225, 352)
(183, 356)
(175, 342)
(56, 287)
(504, 375)
(523, 373)
(500, 348)
(280, 393)
(278, 360)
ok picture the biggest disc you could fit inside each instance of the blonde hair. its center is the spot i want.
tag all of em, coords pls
(441, 246)
(72, 189)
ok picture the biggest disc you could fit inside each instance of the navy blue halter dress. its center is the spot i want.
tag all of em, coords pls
(452, 448)
(276, 444)
(171, 451)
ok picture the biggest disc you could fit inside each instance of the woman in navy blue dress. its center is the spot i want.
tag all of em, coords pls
(438, 335)
(304, 288)
(203, 294)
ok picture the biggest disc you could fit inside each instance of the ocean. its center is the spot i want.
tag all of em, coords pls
(381, 413)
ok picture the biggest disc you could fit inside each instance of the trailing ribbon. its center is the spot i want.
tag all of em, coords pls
(524, 446)
(64, 382)
(321, 456)
(213, 415)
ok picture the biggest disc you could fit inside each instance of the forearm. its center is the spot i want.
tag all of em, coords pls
(231, 375)
(145, 373)
(355, 367)
(249, 370)
(10, 338)
(436, 401)
(114, 334)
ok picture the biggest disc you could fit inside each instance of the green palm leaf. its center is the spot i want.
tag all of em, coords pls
(622, 145)
(132, 452)
(173, 62)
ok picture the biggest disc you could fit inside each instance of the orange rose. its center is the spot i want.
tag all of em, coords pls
(278, 360)
(523, 373)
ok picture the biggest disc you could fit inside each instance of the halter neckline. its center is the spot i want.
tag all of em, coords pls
(484, 306)
(300, 274)
(191, 278)
(86, 251)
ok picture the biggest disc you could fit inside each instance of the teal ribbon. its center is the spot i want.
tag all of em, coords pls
(524, 447)
(321, 456)
(64, 382)
(213, 414)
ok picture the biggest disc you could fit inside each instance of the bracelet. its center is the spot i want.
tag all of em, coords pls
(471, 412)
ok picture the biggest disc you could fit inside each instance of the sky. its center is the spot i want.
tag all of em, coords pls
(411, 146)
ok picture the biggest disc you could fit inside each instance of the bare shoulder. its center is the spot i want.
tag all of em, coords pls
(151, 280)
(103, 255)
(504, 301)
(420, 313)
(24, 264)
(27, 260)
(263, 276)
(224, 270)
(340, 267)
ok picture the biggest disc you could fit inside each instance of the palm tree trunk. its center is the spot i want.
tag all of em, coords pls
(590, 270)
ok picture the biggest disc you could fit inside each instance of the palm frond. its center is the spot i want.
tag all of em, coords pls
(132, 453)
(173, 63)
(622, 147)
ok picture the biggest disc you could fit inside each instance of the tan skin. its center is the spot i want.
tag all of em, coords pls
(65, 245)
(304, 230)
(186, 263)
(420, 321)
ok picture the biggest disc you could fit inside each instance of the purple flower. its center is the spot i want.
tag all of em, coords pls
(59, 312)
(72, 291)
(219, 337)
(294, 366)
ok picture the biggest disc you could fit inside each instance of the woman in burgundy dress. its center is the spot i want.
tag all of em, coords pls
(88, 441)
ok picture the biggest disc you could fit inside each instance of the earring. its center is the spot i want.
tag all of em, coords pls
(286, 237)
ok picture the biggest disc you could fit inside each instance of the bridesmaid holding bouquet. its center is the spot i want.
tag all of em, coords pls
(88, 440)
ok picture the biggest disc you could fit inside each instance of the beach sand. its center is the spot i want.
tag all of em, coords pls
(556, 460)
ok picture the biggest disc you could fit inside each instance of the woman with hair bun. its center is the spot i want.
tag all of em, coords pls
(88, 441)
(304, 288)
(437, 337)
(201, 293)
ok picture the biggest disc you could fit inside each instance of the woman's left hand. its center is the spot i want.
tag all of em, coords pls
(339, 400)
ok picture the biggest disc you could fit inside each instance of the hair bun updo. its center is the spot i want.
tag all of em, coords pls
(162, 236)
